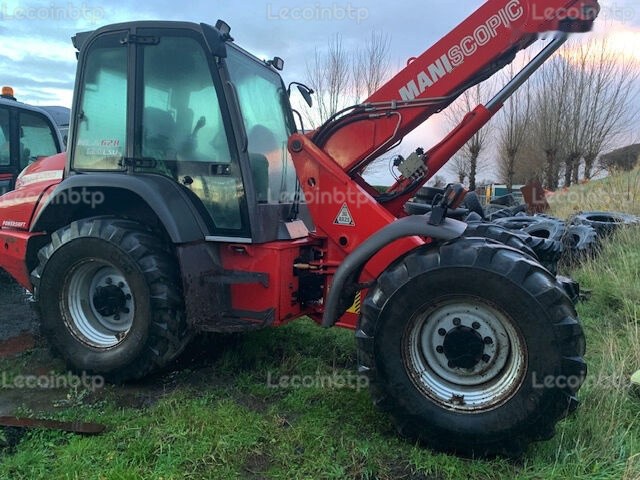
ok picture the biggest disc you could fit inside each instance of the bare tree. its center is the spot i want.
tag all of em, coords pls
(438, 181)
(341, 77)
(459, 166)
(582, 106)
(609, 102)
(513, 129)
(578, 106)
(475, 147)
(329, 74)
(371, 65)
(549, 110)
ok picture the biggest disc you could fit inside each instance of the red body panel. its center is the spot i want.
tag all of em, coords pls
(17, 211)
(14, 251)
(276, 260)
(327, 190)
(17, 208)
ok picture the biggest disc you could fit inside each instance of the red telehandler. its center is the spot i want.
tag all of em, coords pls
(187, 202)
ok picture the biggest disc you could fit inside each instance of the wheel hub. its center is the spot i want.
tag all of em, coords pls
(463, 347)
(110, 300)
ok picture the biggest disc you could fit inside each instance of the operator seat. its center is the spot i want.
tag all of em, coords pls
(158, 137)
(261, 142)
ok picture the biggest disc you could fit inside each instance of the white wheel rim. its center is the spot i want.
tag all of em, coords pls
(465, 355)
(99, 304)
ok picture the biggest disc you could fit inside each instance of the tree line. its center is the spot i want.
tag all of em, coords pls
(578, 106)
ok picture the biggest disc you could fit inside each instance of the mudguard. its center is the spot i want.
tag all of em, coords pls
(413, 225)
(175, 209)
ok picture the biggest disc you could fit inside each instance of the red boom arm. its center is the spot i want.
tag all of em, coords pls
(477, 48)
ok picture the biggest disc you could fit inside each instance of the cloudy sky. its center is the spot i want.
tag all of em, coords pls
(38, 60)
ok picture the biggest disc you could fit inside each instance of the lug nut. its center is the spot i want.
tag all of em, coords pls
(108, 281)
(125, 311)
(121, 284)
(476, 326)
(457, 322)
(116, 317)
(128, 296)
(486, 358)
(442, 332)
(488, 341)
(440, 349)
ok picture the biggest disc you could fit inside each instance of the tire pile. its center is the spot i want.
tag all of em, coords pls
(553, 241)
(549, 240)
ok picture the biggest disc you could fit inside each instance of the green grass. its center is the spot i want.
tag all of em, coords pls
(217, 416)
(619, 192)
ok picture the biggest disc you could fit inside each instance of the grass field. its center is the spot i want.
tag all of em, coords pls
(217, 414)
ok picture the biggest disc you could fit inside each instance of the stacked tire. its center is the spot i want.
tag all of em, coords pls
(605, 223)
(555, 241)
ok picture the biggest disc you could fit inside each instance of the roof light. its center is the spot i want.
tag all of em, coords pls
(224, 29)
(276, 63)
(7, 92)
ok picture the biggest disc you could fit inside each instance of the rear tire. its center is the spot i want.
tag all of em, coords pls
(110, 299)
(458, 342)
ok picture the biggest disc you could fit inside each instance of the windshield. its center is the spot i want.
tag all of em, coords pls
(268, 122)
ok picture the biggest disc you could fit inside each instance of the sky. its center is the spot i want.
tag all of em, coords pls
(38, 60)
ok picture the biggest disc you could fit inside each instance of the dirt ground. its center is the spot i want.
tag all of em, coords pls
(23, 352)
(16, 316)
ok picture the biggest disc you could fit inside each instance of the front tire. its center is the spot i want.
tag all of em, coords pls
(471, 347)
(110, 299)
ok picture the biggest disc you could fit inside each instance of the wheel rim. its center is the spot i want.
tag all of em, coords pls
(465, 355)
(100, 304)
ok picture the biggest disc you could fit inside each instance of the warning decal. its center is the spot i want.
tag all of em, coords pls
(357, 303)
(344, 217)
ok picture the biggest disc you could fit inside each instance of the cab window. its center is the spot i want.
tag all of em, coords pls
(264, 105)
(101, 119)
(37, 138)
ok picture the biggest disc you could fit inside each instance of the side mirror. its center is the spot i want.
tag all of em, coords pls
(305, 91)
(306, 94)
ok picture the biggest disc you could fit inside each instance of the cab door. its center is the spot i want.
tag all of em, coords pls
(25, 136)
(182, 127)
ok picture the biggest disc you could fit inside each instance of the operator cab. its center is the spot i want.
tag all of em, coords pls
(26, 134)
(181, 101)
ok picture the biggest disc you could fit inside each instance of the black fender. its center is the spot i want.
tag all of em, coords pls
(351, 268)
(176, 209)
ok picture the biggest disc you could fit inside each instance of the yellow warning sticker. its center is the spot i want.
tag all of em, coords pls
(355, 308)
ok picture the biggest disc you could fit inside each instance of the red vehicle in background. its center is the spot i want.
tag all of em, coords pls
(26, 134)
